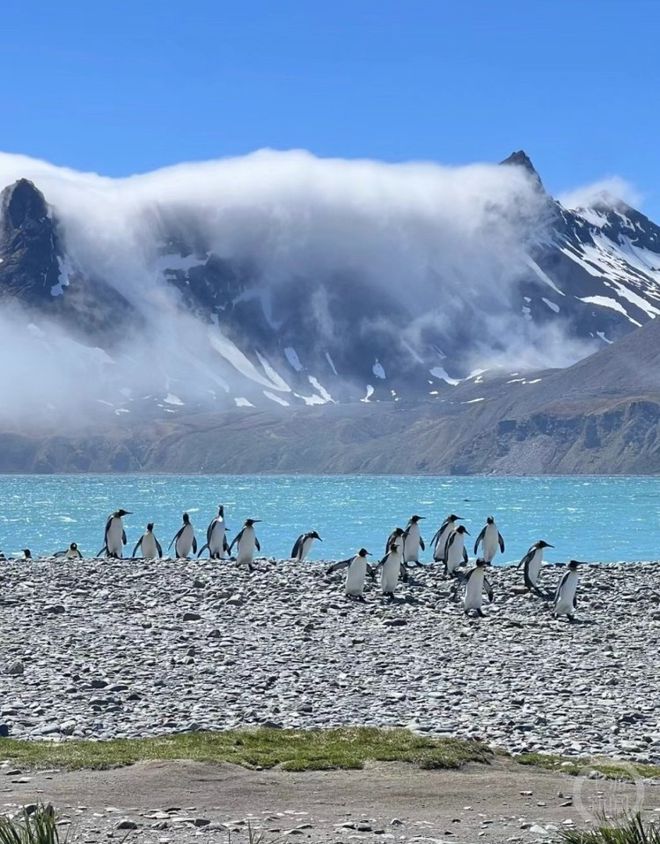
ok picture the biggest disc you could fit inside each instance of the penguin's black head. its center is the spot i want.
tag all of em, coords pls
(221, 511)
(394, 545)
(27, 553)
(315, 535)
(481, 563)
(250, 522)
(186, 519)
(462, 529)
(399, 531)
(73, 546)
(120, 513)
(573, 564)
(543, 544)
(363, 553)
(150, 527)
(454, 518)
(490, 520)
(415, 519)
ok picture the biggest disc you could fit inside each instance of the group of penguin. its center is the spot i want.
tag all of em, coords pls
(402, 549)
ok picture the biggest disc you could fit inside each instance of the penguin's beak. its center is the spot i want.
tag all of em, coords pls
(547, 545)
(319, 539)
(467, 532)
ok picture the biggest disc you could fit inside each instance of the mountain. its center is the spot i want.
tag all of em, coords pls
(402, 319)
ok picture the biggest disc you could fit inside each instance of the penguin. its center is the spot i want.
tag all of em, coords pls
(475, 584)
(532, 562)
(439, 541)
(3, 559)
(115, 535)
(184, 539)
(412, 540)
(355, 575)
(27, 554)
(565, 597)
(392, 566)
(397, 533)
(491, 538)
(148, 545)
(455, 552)
(302, 546)
(216, 537)
(71, 553)
(246, 541)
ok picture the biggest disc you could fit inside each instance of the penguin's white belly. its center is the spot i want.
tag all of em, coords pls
(455, 554)
(474, 591)
(491, 541)
(115, 532)
(306, 548)
(149, 550)
(355, 576)
(439, 550)
(534, 567)
(217, 540)
(411, 545)
(390, 574)
(246, 547)
(184, 543)
(564, 604)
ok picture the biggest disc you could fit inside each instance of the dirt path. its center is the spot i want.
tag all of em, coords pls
(171, 802)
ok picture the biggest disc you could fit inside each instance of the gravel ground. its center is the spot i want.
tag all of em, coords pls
(180, 802)
(106, 649)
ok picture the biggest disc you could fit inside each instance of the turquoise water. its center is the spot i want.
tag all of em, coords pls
(589, 518)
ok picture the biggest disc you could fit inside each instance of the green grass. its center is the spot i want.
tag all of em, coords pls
(632, 831)
(292, 750)
(609, 768)
(37, 827)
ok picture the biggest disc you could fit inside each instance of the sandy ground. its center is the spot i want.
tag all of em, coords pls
(181, 801)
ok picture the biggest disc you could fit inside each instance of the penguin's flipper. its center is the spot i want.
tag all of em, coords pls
(123, 537)
(175, 537)
(479, 538)
(158, 548)
(256, 543)
(225, 544)
(489, 590)
(209, 531)
(297, 547)
(105, 548)
(194, 545)
(421, 544)
(575, 601)
(501, 541)
(202, 549)
(137, 545)
(527, 558)
(58, 554)
(343, 564)
(465, 555)
(236, 540)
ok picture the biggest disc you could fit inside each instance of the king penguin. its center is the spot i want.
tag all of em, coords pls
(392, 566)
(216, 537)
(71, 553)
(491, 538)
(355, 575)
(475, 585)
(27, 554)
(115, 535)
(412, 540)
(566, 594)
(532, 562)
(303, 545)
(456, 553)
(148, 545)
(184, 539)
(439, 541)
(246, 542)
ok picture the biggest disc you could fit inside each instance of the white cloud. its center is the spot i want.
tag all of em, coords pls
(611, 191)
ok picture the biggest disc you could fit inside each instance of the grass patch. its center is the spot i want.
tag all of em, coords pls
(292, 750)
(610, 768)
(632, 831)
(37, 827)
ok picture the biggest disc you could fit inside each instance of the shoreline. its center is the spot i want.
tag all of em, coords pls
(114, 649)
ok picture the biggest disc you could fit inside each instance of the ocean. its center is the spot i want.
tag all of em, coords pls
(599, 519)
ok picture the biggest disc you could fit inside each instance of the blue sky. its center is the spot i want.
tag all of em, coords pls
(120, 88)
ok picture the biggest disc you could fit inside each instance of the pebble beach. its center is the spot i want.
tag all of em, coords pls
(105, 649)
